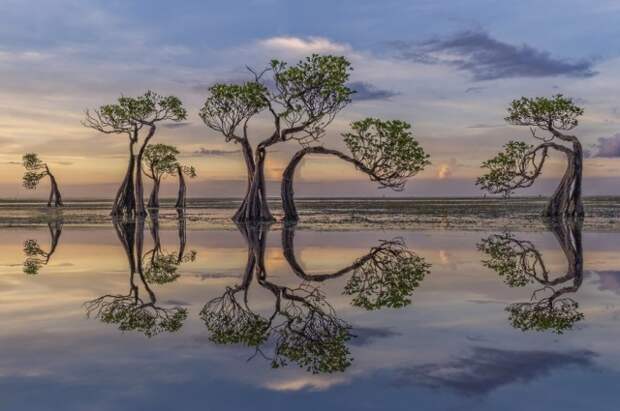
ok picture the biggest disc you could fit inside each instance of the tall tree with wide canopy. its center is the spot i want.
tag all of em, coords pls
(385, 150)
(159, 160)
(302, 100)
(37, 170)
(134, 116)
(520, 164)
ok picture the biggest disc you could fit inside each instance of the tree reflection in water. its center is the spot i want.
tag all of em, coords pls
(302, 326)
(35, 256)
(519, 263)
(135, 310)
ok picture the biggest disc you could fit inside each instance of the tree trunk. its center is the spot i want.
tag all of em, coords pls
(255, 208)
(182, 189)
(154, 198)
(124, 202)
(140, 209)
(250, 168)
(286, 191)
(566, 201)
(55, 196)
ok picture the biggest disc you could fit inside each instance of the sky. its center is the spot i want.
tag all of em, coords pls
(448, 67)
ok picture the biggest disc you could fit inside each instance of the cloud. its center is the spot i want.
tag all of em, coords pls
(488, 369)
(366, 335)
(216, 153)
(303, 46)
(446, 170)
(608, 147)
(177, 125)
(366, 91)
(474, 90)
(486, 58)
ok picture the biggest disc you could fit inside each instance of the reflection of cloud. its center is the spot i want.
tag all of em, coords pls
(488, 369)
(310, 383)
(365, 335)
(609, 280)
(177, 124)
(486, 58)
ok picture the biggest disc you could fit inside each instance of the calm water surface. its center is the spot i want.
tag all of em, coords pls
(125, 317)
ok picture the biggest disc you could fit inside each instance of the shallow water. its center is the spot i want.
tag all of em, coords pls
(94, 318)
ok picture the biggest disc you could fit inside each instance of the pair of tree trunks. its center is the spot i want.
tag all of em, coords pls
(254, 207)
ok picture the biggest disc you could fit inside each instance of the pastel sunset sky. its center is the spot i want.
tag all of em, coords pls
(449, 67)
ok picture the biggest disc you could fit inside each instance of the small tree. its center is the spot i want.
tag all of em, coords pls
(36, 170)
(385, 150)
(130, 115)
(301, 99)
(159, 160)
(520, 164)
(181, 172)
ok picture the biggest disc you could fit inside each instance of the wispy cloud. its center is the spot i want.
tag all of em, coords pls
(215, 152)
(365, 91)
(487, 58)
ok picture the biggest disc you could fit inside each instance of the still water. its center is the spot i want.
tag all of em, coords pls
(135, 316)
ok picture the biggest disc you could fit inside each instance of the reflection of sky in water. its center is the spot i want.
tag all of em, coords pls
(453, 348)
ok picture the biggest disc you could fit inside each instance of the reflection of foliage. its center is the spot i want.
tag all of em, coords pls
(312, 336)
(388, 278)
(517, 262)
(36, 257)
(131, 313)
(303, 327)
(553, 314)
(232, 323)
(520, 263)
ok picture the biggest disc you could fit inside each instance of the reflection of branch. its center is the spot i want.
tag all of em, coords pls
(520, 263)
(131, 311)
(36, 257)
(385, 277)
(303, 326)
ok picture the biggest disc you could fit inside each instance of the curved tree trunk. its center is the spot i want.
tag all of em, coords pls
(55, 196)
(255, 207)
(286, 191)
(154, 197)
(181, 196)
(566, 200)
(248, 157)
(124, 202)
(139, 189)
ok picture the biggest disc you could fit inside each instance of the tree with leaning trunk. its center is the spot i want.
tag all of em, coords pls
(134, 116)
(159, 160)
(520, 164)
(36, 170)
(384, 150)
(301, 99)
(182, 171)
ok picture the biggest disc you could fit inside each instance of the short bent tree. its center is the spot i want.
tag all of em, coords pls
(520, 164)
(385, 150)
(159, 160)
(301, 100)
(130, 115)
(36, 170)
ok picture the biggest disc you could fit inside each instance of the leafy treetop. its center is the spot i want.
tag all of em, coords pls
(130, 114)
(555, 113)
(160, 159)
(387, 150)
